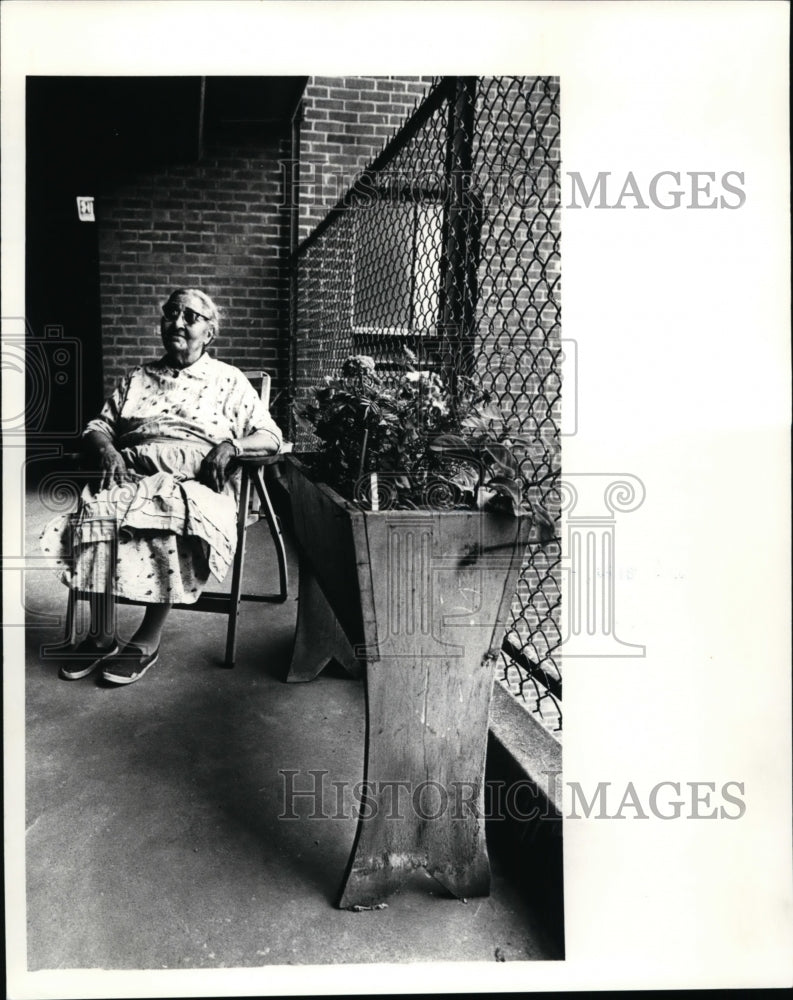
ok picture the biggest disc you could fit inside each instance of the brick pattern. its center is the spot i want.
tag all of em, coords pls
(219, 224)
(222, 224)
(346, 123)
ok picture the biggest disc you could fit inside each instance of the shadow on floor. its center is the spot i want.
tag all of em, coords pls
(158, 829)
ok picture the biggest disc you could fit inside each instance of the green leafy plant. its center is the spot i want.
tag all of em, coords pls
(429, 448)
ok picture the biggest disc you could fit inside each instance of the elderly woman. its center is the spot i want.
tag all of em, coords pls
(164, 512)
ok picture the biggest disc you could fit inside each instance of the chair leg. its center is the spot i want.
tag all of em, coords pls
(70, 634)
(275, 531)
(56, 649)
(239, 565)
(103, 604)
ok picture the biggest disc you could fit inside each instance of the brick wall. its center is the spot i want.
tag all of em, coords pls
(219, 224)
(346, 123)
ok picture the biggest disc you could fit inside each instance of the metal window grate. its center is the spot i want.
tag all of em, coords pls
(449, 244)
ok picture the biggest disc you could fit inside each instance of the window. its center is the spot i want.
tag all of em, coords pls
(396, 269)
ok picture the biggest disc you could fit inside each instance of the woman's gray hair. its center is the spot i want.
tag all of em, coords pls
(210, 310)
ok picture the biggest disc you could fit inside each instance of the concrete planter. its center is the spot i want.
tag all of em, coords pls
(416, 601)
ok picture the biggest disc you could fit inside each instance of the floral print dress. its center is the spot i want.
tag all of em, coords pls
(158, 536)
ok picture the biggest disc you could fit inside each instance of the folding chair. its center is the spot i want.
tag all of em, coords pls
(254, 505)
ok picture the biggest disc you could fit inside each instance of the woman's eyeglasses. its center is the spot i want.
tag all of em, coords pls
(171, 312)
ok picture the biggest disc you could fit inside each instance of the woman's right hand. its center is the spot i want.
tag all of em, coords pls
(102, 457)
(112, 468)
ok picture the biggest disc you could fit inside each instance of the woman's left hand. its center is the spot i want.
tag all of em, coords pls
(214, 468)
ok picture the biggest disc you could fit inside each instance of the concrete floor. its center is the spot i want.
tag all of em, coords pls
(153, 831)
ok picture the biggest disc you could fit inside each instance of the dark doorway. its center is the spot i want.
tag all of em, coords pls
(84, 134)
(64, 351)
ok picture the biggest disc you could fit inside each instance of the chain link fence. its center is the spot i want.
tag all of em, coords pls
(448, 244)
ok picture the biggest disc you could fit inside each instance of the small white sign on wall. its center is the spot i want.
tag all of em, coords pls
(85, 208)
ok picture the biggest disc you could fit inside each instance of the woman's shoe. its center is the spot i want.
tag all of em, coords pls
(86, 658)
(128, 664)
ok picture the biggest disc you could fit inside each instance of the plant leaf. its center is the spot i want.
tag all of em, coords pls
(450, 443)
(508, 488)
(547, 526)
(465, 479)
(474, 423)
(490, 411)
(502, 457)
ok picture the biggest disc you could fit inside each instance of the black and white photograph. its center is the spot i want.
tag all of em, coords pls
(319, 479)
(322, 318)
